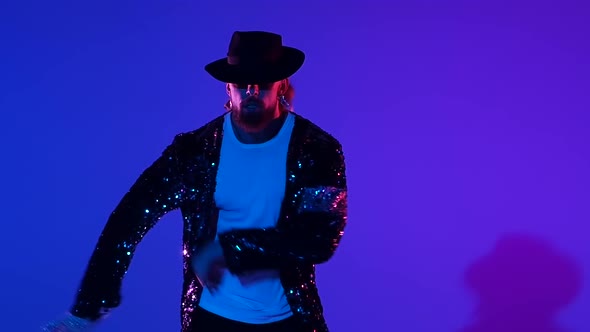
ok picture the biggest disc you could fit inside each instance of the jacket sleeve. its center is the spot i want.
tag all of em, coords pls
(314, 234)
(157, 191)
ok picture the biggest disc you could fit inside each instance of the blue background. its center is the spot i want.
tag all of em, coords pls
(465, 127)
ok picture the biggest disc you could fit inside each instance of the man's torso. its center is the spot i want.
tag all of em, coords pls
(250, 188)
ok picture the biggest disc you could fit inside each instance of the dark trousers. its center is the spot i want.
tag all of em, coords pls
(205, 321)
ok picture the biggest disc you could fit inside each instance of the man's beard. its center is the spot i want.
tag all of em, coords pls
(253, 118)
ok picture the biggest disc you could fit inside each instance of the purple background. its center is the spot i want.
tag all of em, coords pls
(465, 128)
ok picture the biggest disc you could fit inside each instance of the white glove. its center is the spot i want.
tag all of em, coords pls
(69, 323)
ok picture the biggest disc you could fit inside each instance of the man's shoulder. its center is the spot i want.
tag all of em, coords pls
(204, 134)
(315, 134)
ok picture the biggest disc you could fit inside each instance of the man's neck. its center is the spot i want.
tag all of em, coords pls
(248, 134)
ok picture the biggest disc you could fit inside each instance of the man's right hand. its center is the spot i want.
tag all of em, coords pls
(70, 323)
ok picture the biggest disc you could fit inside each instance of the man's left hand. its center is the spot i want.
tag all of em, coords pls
(209, 265)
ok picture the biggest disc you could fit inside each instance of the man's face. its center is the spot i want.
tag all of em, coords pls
(255, 102)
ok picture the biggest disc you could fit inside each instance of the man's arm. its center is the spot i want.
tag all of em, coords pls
(312, 237)
(157, 191)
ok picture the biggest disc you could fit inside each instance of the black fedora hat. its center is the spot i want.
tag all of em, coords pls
(256, 57)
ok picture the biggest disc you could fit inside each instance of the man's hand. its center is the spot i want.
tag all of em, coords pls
(209, 264)
(69, 323)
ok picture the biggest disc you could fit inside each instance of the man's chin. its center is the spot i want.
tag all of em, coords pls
(252, 109)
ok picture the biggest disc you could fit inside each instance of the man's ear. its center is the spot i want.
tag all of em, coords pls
(284, 87)
(227, 88)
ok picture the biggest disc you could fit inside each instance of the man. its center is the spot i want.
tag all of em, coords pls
(263, 196)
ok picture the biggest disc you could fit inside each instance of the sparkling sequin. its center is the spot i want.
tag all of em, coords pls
(313, 217)
(323, 199)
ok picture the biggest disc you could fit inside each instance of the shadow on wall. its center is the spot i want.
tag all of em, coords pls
(522, 286)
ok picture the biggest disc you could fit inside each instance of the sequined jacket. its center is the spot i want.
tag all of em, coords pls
(311, 223)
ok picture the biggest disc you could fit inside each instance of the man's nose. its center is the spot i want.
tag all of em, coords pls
(252, 90)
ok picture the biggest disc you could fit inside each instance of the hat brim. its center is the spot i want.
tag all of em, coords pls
(290, 62)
